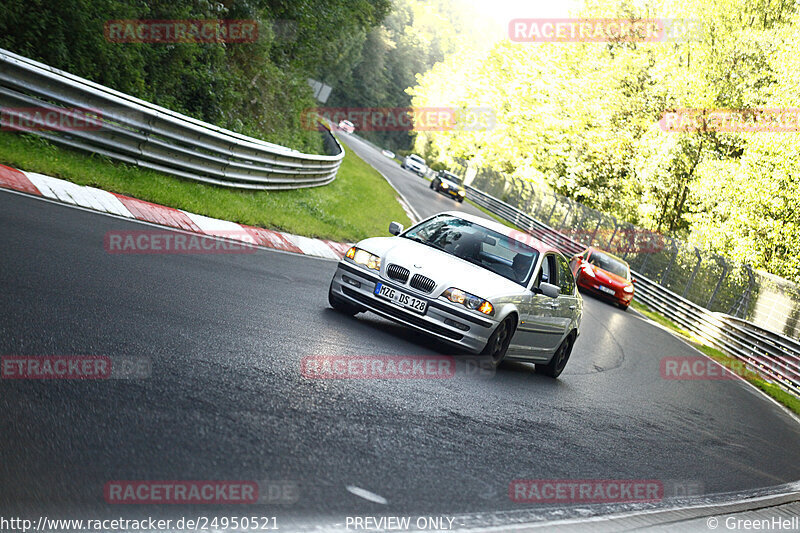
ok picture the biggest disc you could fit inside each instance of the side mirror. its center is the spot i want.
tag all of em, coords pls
(633, 280)
(548, 289)
(579, 257)
(395, 228)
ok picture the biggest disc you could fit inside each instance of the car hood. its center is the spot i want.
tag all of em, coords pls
(445, 269)
(610, 279)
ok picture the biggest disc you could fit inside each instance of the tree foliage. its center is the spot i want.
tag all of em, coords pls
(582, 118)
(257, 88)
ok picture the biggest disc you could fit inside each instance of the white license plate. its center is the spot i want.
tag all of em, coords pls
(400, 298)
(606, 289)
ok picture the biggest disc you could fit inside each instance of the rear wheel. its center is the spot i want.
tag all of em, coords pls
(498, 342)
(556, 365)
(341, 305)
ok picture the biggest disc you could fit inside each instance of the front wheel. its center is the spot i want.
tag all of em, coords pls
(498, 342)
(556, 365)
(341, 305)
(461, 200)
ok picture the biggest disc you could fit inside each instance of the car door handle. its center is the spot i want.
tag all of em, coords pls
(573, 306)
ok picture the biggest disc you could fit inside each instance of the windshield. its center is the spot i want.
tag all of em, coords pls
(416, 158)
(609, 264)
(478, 245)
(450, 177)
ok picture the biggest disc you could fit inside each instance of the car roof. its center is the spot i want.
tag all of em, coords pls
(522, 236)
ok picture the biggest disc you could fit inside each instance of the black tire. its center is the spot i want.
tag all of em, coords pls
(497, 345)
(559, 361)
(432, 184)
(461, 200)
(341, 305)
(623, 307)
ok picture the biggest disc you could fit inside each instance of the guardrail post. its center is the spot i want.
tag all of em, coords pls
(724, 265)
(671, 262)
(577, 224)
(566, 215)
(739, 308)
(614, 233)
(553, 210)
(644, 263)
(529, 187)
(596, 228)
(694, 271)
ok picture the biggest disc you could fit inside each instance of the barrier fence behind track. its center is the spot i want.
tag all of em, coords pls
(774, 356)
(703, 277)
(133, 131)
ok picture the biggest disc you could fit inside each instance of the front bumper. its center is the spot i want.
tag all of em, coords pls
(591, 285)
(357, 286)
(452, 193)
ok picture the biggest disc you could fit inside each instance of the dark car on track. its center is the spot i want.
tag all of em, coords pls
(604, 275)
(449, 184)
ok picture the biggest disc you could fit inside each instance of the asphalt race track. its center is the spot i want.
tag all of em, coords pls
(225, 399)
(415, 189)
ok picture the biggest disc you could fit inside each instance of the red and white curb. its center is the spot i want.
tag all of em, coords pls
(125, 206)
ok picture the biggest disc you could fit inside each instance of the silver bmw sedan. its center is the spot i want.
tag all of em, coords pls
(471, 282)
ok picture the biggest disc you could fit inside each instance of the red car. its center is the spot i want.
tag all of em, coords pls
(605, 275)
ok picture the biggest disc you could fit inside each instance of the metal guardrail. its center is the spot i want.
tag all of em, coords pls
(711, 280)
(140, 133)
(774, 356)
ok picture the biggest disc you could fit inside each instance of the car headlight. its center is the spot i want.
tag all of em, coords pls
(362, 257)
(470, 301)
(628, 289)
(462, 193)
(445, 186)
(588, 270)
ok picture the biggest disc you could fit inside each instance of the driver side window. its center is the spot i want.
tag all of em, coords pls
(565, 280)
(548, 272)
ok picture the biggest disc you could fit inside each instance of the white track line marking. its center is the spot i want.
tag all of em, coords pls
(311, 246)
(367, 495)
(221, 228)
(110, 203)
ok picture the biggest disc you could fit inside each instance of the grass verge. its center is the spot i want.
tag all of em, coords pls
(786, 399)
(358, 204)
